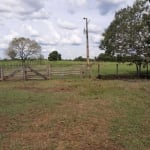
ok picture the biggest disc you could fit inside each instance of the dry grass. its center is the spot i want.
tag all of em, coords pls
(73, 125)
(67, 114)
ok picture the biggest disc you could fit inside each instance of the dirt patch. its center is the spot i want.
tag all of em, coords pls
(46, 90)
(3, 121)
(75, 125)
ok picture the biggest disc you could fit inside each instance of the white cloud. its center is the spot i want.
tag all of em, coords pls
(29, 31)
(75, 5)
(3, 45)
(93, 28)
(106, 6)
(10, 36)
(46, 40)
(51, 24)
(41, 14)
(95, 38)
(53, 32)
(4, 42)
(77, 2)
(66, 24)
(7, 5)
(111, 1)
(22, 8)
(51, 35)
(72, 39)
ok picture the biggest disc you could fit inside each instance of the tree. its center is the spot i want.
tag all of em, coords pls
(54, 56)
(146, 18)
(23, 48)
(128, 34)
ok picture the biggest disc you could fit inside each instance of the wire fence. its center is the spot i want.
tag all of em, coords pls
(122, 70)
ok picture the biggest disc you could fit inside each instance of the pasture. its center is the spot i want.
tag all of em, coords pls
(74, 113)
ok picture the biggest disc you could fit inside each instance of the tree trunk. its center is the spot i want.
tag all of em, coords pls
(117, 69)
(137, 70)
(147, 71)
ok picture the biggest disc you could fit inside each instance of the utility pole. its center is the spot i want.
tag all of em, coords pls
(87, 42)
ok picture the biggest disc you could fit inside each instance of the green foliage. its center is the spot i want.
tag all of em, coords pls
(80, 58)
(106, 57)
(119, 58)
(129, 31)
(54, 56)
(128, 34)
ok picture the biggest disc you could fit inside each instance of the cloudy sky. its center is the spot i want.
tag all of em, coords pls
(57, 24)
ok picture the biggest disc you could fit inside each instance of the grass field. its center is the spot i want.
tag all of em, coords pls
(75, 114)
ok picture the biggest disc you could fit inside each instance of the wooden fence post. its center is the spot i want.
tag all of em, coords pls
(82, 71)
(98, 69)
(1, 73)
(88, 70)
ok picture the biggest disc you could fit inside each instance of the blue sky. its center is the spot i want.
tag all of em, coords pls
(57, 24)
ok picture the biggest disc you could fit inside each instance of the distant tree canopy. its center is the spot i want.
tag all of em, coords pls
(112, 58)
(80, 58)
(54, 56)
(105, 57)
(23, 48)
(129, 33)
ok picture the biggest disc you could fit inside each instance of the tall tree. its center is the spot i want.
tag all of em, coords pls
(129, 34)
(23, 48)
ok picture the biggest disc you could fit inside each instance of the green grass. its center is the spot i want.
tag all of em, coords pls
(106, 68)
(75, 114)
(41, 62)
(18, 97)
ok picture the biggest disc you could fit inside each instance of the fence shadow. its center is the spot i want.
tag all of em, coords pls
(122, 77)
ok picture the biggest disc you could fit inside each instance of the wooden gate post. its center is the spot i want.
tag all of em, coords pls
(24, 72)
(49, 71)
